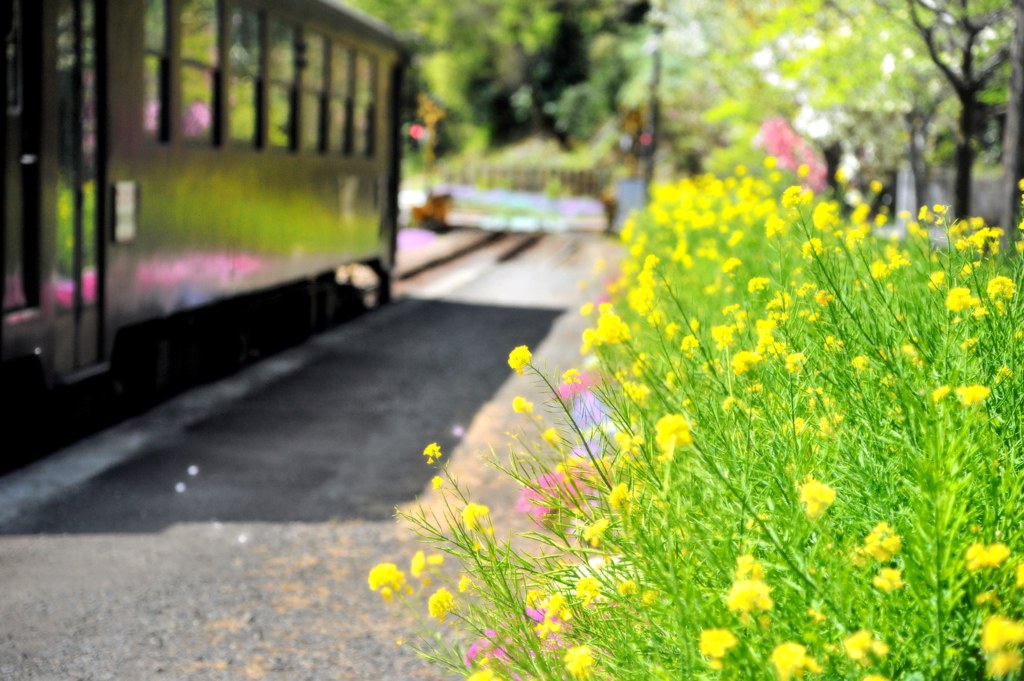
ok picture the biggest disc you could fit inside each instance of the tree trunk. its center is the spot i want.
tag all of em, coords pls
(917, 129)
(1013, 140)
(833, 154)
(965, 153)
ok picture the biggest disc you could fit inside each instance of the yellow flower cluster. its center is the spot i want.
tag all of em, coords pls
(579, 662)
(882, 544)
(519, 358)
(672, 431)
(432, 452)
(816, 497)
(441, 603)
(981, 556)
(1001, 638)
(473, 515)
(863, 648)
(715, 644)
(791, 660)
(749, 593)
(386, 578)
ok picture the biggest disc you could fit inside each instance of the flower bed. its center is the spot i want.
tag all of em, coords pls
(799, 453)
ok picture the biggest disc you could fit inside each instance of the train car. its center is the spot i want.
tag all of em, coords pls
(182, 179)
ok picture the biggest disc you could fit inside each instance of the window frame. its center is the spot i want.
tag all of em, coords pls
(215, 137)
(258, 75)
(364, 142)
(164, 59)
(291, 86)
(307, 90)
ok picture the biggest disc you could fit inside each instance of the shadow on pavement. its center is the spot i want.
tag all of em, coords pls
(339, 439)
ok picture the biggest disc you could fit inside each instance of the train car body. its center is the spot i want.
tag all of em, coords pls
(163, 157)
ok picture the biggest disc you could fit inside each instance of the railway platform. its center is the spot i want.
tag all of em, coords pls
(227, 534)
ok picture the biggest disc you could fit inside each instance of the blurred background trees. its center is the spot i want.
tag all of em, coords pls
(869, 86)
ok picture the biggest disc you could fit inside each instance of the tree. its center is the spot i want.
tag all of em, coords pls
(967, 41)
(1013, 136)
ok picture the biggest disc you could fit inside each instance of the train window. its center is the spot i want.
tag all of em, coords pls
(200, 60)
(246, 77)
(366, 80)
(157, 59)
(340, 106)
(282, 85)
(313, 95)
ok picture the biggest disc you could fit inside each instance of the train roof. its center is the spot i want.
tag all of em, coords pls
(375, 27)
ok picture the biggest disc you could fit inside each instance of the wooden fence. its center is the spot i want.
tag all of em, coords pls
(554, 181)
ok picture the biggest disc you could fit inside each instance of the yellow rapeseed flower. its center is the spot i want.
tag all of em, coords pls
(1000, 288)
(747, 567)
(791, 660)
(611, 330)
(744, 361)
(795, 362)
(888, 580)
(587, 589)
(519, 358)
(796, 196)
(473, 514)
(860, 363)
(715, 644)
(571, 377)
(671, 431)
(960, 298)
(816, 497)
(628, 588)
(999, 632)
(731, 264)
(1004, 663)
(812, 247)
(436, 482)
(418, 563)
(882, 543)
(594, 532)
(723, 335)
(825, 216)
(483, 675)
(619, 496)
(432, 452)
(774, 225)
(861, 647)
(579, 662)
(980, 556)
(386, 576)
(757, 284)
(940, 393)
(521, 405)
(440, 604)
(970, 395)
(749, 595)
(550, 435)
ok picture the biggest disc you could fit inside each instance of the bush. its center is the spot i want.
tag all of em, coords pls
(800, 455)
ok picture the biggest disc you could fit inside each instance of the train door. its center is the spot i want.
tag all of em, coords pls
(22, 31)
(77, 285)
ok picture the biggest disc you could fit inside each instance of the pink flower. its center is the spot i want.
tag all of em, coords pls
(778, 138)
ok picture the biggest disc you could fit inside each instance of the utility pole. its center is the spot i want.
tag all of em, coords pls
(649, 138)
